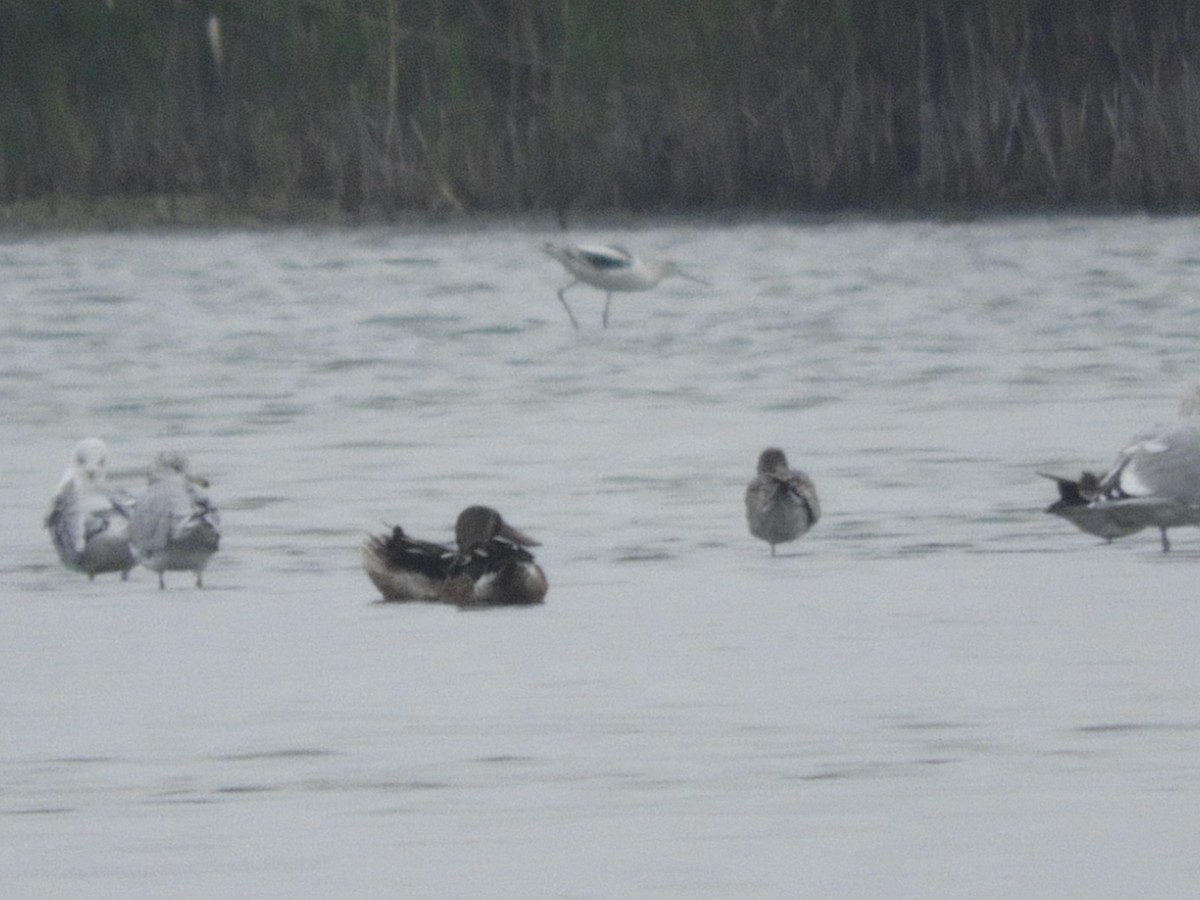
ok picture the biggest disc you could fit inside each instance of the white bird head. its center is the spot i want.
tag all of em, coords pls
(90, 461)
(1190, 404)
(167, 463)
(174, 464)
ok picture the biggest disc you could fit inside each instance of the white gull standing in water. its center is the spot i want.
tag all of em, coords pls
(781, 504)
(610, 268)
(174, 526)
(1154, 483)
(88, 521)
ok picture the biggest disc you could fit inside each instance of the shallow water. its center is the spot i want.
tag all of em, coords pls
(940, 692)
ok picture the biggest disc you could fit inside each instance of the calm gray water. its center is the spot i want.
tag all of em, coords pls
(940, 692)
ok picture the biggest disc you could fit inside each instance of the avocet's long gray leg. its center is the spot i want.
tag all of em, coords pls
(1166, 544)
(604, 318)
(563, 301)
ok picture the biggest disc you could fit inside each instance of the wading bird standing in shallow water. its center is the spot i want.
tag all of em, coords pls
(490, 567)
(88, 521)
(610, 268)
(781, 504)
(174, 527)
(1154, 483)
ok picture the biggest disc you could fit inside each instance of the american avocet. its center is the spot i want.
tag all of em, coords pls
(174, 526)
(1154, 483)
(490, 566)
(610, 268)
(781, 504)
(88, 521)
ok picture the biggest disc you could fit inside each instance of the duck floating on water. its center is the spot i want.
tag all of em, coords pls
(490, 566)
(781, 503)
(88, 520)
(1154, 483)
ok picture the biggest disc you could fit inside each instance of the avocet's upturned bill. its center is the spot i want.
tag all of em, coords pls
(1154, 483)
(611, 269)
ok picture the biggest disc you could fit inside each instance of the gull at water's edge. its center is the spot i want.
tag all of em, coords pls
(175, 528)
(1153, 483)
(88, 520)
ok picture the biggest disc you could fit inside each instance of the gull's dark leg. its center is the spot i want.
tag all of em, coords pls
(1166, 545)
(563, 301)
(607, 301)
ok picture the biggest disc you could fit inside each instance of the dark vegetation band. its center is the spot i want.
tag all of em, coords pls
(380, 106)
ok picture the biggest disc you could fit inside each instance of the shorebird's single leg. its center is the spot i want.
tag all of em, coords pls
(563, 301)
(607, 301)
(1166, 544)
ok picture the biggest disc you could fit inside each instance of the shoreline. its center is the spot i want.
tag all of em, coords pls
(64, 215)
